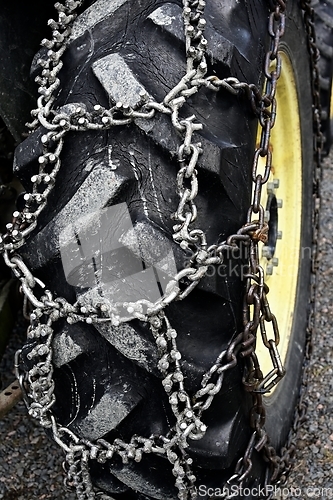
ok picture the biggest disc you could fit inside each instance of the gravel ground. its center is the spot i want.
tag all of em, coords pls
(30, 464)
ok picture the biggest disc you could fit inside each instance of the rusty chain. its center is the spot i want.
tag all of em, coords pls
(188, 410)
(288, 452)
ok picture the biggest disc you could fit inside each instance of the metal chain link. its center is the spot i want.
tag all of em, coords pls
(188, 409)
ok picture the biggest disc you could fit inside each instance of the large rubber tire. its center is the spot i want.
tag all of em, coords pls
(107, 383)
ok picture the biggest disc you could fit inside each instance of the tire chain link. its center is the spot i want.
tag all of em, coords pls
(187, 410)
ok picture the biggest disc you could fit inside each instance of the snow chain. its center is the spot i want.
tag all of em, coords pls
(37, 383)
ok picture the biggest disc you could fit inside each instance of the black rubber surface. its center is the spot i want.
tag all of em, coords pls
(324, 32)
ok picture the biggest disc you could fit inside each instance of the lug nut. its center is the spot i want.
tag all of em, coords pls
(269, 269)
(279, 235)
(270, 187)
(275, 261)
(266, 252)
(279, 203)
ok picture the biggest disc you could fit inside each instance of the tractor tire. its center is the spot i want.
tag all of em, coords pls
(107, 384)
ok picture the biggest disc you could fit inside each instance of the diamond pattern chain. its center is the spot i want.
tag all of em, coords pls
(188, 410)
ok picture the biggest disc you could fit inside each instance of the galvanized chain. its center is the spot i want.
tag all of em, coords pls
(188, 409)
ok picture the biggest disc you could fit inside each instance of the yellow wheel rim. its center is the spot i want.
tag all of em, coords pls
(282, 201)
